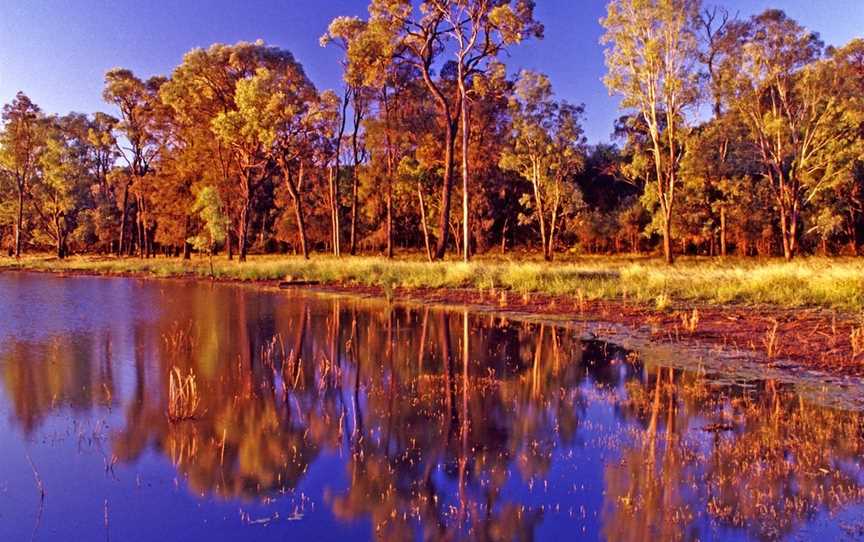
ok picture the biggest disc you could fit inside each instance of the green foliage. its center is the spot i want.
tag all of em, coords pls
(208, 208)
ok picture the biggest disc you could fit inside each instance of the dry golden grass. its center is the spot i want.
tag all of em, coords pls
(836, 283)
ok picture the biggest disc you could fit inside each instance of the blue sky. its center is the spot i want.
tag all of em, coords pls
(57, 51)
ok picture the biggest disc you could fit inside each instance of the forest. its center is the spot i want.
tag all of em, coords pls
(737, 136)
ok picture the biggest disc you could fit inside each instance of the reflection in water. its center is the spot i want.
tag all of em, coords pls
(436, 425)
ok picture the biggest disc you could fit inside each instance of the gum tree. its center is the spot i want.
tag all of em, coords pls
(21, 143)
(651, 55)
(547, 149)
(795, 106)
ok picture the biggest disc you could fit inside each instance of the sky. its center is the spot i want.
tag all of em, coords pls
(57, 51)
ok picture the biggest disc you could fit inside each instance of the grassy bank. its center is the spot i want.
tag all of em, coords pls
(813, 282)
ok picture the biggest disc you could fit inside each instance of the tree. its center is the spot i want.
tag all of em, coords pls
(403, 36)
(345, 32)
(200, 89)
(208, 207)
(794, 108)
(140, 124)
(650, 63)
(103, 154)
(268, 103)
(546, 148)
(21, 143)
(480, 30)
(61, 192)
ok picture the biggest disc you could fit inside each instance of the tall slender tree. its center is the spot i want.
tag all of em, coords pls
(651, 56)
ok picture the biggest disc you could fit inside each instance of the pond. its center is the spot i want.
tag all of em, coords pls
(340, 418)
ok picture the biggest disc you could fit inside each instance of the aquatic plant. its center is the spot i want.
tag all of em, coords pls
(184, 400)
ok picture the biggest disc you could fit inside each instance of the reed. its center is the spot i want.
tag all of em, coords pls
(184, 400)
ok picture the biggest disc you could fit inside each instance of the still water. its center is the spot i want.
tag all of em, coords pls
(328, 418)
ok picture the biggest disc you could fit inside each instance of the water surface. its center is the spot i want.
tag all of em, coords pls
(349, 419)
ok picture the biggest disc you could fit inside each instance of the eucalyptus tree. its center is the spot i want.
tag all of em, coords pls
(546, 148)
(651, 56)
(345, 32)
(63, 189)
(21, 143)
(480, 31)
(794, 104)
(270, 105)
(140, 125)
(102, 148)
(200, 90)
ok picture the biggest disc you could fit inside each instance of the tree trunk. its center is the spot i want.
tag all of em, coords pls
(229, 245)
(667, 240)
(389, 216)
(59, 234)
(336, 223)
(358, 116)
(466, 231)
(301, 226)
(423, 222)
(723, 246)
(353, 241)
(446, 190)
(243, 231)
(541, 217)
(187, 247)
(294, 191)
(124, 214)
(140, 224)
(19, 221)
(334, 210)
(784, 234)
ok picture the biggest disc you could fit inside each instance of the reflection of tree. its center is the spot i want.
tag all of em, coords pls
(786, 462)
(438, 416)
(772, 463)
(72, 371)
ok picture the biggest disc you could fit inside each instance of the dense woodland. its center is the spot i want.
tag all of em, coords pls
(738, 136)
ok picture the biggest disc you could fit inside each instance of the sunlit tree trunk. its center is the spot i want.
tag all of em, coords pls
(335, 219)
(466, 128)
(295, 191)
(423, 221)
(19, 221)
(124, 217)
(446, 190)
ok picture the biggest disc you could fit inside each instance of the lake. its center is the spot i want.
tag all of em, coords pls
(342, 418)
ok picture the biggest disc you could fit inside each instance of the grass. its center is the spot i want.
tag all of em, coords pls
(807, 282)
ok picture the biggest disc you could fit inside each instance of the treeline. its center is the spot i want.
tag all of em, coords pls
(739, 136)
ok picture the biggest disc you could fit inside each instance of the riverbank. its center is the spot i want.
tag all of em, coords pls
(806, 283)
(805, 312)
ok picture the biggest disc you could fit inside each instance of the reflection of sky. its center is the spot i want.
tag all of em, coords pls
(111, 330)
(34, 309)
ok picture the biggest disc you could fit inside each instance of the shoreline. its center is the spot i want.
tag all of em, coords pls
(810, 338)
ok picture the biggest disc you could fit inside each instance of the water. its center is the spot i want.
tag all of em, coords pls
(346, 419)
